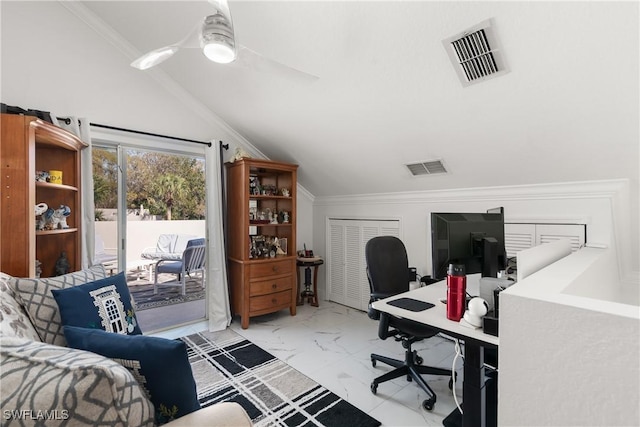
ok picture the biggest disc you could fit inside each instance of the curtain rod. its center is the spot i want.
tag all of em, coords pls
(98, 125)
(67, 120)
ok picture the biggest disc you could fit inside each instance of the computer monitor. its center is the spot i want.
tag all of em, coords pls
(475, 240)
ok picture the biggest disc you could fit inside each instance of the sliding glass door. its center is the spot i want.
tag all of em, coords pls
(149, 205)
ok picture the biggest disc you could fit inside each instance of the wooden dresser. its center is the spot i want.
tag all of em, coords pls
(261, 240)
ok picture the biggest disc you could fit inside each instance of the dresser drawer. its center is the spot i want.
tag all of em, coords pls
(268, 303)
(271, 286)
(273, 268)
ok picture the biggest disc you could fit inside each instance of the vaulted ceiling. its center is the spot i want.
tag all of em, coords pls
(387, 94)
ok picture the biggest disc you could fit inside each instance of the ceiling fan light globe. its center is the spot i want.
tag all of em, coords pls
(219, 52)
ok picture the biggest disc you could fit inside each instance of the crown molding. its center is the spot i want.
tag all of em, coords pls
(305, 193)
(563, 190)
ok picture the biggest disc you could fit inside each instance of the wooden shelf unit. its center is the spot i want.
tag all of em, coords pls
(28, 145)
(260, 284)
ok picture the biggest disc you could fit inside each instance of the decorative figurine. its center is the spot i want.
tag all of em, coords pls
(38, 269)
(45, 219)
(278, 247)
(240, 154)
(273, 217)
(42, 176)
(254, 185)
(41, 208)
(62, 264)
(59, 217)
(285, 192)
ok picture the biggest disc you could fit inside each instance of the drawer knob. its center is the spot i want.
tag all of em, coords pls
(275, 268)
(274, 300)
(274, 286)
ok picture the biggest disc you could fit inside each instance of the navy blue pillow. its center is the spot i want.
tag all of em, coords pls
(160, 365)
(104, 304)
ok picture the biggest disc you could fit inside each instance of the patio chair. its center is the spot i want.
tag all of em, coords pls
(169, 246)
(192, 261)
(103, 255)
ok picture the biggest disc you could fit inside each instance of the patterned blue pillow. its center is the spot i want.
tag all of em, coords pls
(104, 304)
(160, 365)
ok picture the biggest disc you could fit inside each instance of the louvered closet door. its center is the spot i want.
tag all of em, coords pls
(347, 275)
(522, 236)
(518, 237)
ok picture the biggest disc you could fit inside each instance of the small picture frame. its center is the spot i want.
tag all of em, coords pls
(283, 244)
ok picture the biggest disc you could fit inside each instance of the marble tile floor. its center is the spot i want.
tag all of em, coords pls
(332, 345)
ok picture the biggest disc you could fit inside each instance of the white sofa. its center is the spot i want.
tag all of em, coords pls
(64, 386)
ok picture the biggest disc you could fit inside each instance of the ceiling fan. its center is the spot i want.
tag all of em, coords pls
(215, 36)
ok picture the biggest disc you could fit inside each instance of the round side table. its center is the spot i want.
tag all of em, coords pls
(310, 295)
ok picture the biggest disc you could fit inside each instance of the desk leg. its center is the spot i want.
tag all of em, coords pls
(473, 390)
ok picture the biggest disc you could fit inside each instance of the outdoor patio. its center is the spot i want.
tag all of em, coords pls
(167, 308)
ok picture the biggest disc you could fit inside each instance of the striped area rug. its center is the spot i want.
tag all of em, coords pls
(228, 367)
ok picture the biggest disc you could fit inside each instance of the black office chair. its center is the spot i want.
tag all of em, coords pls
(388, 274)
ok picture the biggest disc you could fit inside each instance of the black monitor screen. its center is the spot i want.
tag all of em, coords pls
(475, 240)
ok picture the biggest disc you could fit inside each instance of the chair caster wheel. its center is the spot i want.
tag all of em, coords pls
(374, 388)
(428, 404)
(373, 362)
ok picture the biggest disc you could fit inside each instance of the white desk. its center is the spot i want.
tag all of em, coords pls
(473, 391)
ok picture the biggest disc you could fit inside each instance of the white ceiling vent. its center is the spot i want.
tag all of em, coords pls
(476, 54)
(430, 167)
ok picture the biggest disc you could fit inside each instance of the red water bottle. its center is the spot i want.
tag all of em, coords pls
(456, 291)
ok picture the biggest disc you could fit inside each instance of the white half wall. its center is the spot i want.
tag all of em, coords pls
(569, 351)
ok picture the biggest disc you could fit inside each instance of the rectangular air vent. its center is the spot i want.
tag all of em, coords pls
(429, 167)
(476, 54)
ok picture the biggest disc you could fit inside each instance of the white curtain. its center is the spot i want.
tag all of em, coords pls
(218, 297)
(81, 128)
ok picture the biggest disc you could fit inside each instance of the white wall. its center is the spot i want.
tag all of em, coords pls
(304, 230)
(595, 203)
(569, 354)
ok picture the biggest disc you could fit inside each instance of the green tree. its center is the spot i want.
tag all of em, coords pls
(105, 178)
(168, 189)
(145, 174)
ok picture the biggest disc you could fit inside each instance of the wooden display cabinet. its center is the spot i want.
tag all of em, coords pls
(261, 205)
(29, 145)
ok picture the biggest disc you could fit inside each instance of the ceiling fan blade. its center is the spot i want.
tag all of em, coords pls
(157, 56)
(252, 59)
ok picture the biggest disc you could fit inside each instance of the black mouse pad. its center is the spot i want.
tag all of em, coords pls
(411, 304)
